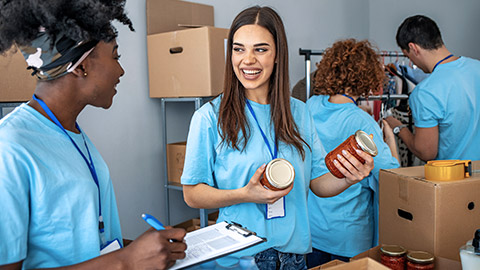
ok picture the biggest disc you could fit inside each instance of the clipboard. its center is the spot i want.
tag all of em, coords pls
(215, 241)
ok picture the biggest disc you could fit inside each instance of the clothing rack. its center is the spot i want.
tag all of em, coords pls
(308, 53)
(383, 97)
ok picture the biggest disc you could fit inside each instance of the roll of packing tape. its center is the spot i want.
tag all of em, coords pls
(448, 170)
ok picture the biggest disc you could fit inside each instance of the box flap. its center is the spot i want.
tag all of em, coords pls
(373, 253)
(172, 15)
(361, 264)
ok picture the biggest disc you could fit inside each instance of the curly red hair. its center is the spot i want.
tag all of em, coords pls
(349, 67)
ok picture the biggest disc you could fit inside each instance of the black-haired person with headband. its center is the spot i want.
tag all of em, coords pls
(57, 199)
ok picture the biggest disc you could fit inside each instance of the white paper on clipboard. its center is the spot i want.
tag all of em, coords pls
(215, 241)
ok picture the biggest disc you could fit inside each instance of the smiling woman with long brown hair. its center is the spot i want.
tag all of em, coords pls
(253, 122)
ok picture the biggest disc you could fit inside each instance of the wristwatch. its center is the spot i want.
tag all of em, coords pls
(397, 129)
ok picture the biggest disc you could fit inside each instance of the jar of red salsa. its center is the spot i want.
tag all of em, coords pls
(358, 141)
(420, 260)
(393, 256)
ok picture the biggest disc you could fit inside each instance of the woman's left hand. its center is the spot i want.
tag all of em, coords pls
(352, 168)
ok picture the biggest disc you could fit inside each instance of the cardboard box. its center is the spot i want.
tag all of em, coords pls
(175, 160)
(187, 63)
(328, 265)
(361, 264)
(16, 82)
(194, 224)
(172, 15)
(440, 263)
(437, 217)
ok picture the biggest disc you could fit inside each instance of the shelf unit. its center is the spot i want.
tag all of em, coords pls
(7, 107)
(198, 101)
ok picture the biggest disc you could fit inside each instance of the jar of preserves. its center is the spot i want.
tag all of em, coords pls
(358, 141)
(420, 260)
(278, 175)
(393, 256)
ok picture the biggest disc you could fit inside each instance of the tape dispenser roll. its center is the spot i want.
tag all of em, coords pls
(448, 170)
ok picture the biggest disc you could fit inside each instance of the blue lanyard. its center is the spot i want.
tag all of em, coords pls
(274, 155)
(90, 164)
(438, 63)
(354, 101)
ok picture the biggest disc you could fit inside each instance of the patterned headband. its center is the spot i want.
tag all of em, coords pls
(51, 62)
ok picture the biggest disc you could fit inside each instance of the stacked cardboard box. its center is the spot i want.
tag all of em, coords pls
(172, 15)
(16, 82)
(175, 160)
(188, 62)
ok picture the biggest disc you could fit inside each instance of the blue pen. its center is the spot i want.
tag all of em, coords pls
(152, 221)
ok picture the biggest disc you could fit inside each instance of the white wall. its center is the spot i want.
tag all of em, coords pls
(309, 24)
(129, 134)
(458, 22)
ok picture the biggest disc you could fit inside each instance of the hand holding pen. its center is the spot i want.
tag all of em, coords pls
(154, 248)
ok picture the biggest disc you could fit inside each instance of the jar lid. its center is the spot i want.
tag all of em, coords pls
(280, 173)
(393, 250)
(366, 143)
(421, 257)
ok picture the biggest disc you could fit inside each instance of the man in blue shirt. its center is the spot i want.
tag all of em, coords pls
(445, 106)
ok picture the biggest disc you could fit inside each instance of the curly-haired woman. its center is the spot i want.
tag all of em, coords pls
(345, 225)
(57, 199)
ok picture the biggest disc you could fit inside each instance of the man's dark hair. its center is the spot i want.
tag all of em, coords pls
(76, 19)
(420, 30)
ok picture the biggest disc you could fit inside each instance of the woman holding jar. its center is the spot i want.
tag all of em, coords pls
(251, 123)
(345, 225)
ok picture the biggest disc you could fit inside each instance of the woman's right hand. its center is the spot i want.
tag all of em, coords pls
(255, 192)
(154, 250)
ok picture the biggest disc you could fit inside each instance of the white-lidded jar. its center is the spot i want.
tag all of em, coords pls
(278, 175)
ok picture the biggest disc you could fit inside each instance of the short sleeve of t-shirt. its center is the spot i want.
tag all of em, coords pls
(200, 153)
(426, 108)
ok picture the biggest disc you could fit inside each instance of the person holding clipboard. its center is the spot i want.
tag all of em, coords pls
(252, 122)
(57, 198)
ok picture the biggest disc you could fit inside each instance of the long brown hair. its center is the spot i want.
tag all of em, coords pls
(232, 118)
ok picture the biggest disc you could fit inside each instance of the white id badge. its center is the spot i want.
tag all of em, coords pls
(111, 246)
(276, 209)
